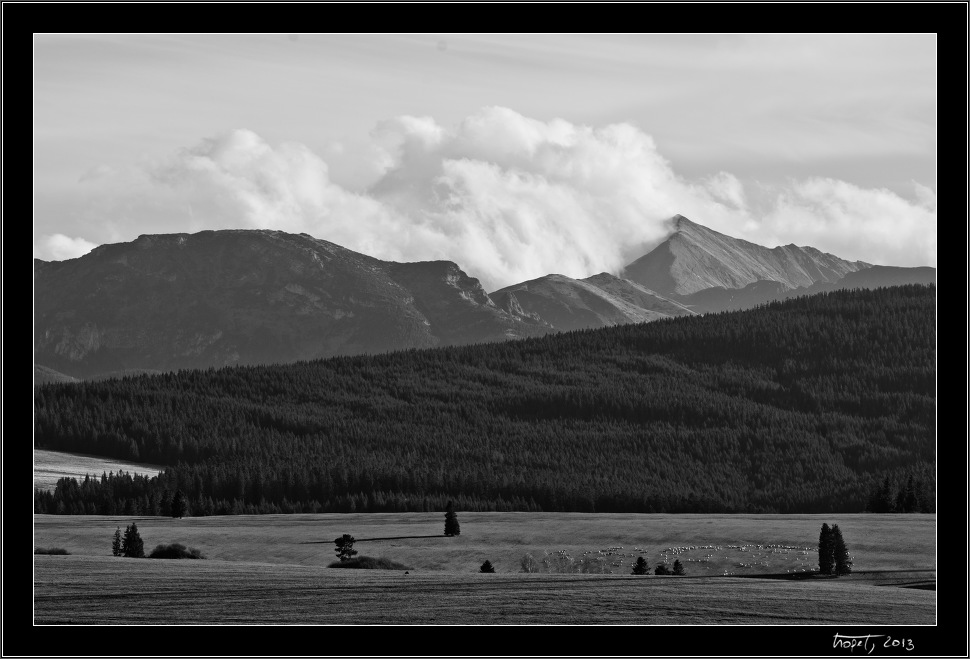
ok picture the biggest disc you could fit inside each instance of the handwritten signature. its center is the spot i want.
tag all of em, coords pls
(870, 642)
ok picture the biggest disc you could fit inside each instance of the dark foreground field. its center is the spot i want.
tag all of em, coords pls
(272, 570)
(88, 590)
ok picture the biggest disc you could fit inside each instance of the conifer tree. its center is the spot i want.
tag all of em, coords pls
(132, 545)
(345, 547)
(451, 521)
(640, 567)
(487, 567)
(116, 543)
(886, 501)
(179, 505)
(678, 567)
(826, 550)
(843, 563)
(910, 501)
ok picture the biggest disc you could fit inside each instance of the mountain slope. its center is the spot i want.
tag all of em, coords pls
(799, 406)
(695, 258)
(760, 292)
(164, 302)
(598, 301)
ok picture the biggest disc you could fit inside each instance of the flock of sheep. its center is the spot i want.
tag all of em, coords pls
(707, 559)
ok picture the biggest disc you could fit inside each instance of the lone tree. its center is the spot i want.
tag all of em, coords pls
(451, 521)
(179, 505)
(826, 550)
(487, 567)
(345, 547)
(132, 545)
(662, 569)
(843, 564)
(640, 567)
(116, 543)
(678, 567)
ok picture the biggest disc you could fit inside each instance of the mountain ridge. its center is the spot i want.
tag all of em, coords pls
(215, 298)
(261, 296)
(694, 258)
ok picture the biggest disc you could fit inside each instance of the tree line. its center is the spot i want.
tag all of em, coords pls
(803, 405)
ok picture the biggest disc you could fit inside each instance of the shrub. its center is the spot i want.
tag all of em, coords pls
(58, 551)
(368, 563)
(529, 563)
(662, 569)
(175, 550)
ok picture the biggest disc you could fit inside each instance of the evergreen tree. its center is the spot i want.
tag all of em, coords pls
(345, 547)
(843, 563)
(886, 501)
(179, 505)
(640, 567)
(662, 569)
(116, 543)
(678, 567)
(487, 567)
(910, 500)
(900, 505)
(826, 550)
(923, 501)
(132, 545)
(451, 521)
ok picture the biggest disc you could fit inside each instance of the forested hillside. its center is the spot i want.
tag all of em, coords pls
(805, 405)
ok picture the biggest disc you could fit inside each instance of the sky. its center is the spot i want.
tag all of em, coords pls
(515, 156)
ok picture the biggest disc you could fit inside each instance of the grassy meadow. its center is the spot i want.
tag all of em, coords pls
(49, 466)
(272, 569)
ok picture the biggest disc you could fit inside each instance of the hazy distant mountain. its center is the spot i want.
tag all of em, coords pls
(215, 298)
(695, 258)
(44, 375)
(597, 301)
(885, 275)
(726, 299)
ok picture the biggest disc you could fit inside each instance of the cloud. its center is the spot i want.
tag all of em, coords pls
(873, 225)
(726, 187)
(58, 247)
(507, 197)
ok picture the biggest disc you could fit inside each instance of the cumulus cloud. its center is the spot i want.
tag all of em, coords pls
(873, 225)
(58, 247)
(726, 187)
(507, 197)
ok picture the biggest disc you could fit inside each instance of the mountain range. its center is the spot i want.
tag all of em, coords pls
(217, 298)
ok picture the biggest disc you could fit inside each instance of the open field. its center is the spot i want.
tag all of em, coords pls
(272, 569)
(52, 465)
(89, 590)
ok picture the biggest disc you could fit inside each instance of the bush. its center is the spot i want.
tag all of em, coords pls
(368, 563)
(52, 550)
(662, 569)
(175, 550)
(529, 563)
